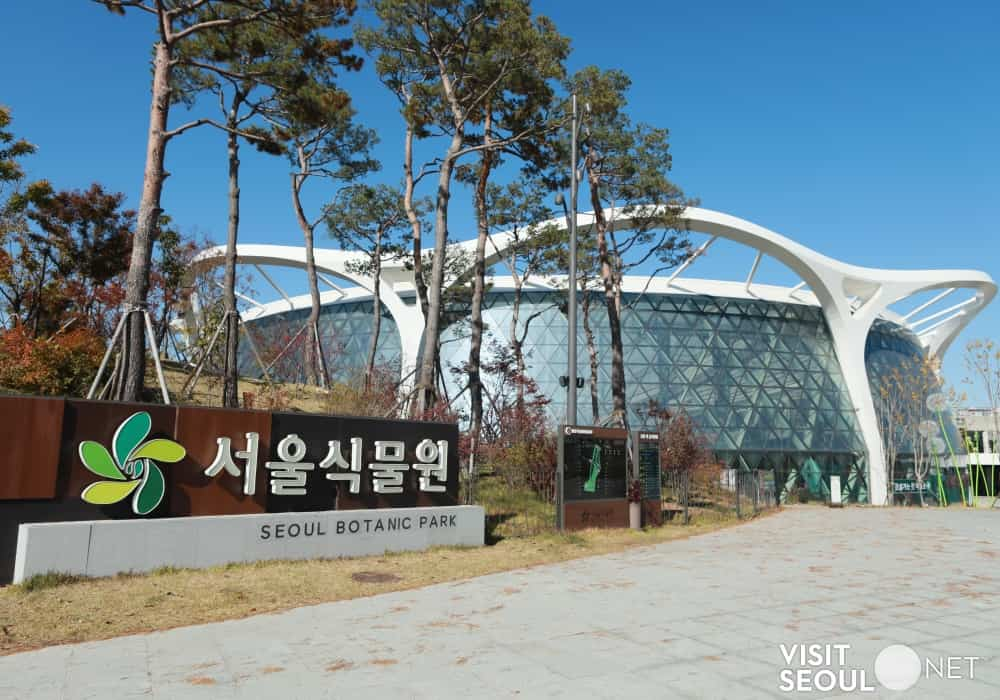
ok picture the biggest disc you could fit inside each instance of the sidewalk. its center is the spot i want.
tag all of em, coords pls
(702, 617)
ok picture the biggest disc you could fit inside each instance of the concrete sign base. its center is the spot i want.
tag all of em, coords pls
(109, 547)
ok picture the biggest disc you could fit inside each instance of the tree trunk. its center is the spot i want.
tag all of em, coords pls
(147, 222)
(35, 310)
(516, 342)
(427, 377)
(614, 317)
(478, 292)
(161, 331)
(411, 215)
(592, 353)
(315, 366)
(376, 310)
(230, 372)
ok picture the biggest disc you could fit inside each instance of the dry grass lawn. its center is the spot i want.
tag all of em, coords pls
(51, 611)
(208, 391)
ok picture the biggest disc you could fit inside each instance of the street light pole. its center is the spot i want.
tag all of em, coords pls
(571, 308)
(571, 319)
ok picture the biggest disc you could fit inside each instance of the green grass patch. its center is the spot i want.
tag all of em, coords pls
(513, 512)
(41, 582)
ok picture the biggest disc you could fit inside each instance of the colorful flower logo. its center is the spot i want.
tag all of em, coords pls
(132, 469)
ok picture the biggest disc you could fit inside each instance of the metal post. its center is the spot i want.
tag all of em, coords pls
(571, 308)
(188, 389)
(687, 495)
(571, 320)
(107, 355)
(560, 462)
(756, 491)
(738, 475)
(156, 357)
(253, 349)
(288, 345)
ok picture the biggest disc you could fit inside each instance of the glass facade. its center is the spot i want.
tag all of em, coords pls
(891, 348)
(760, 379)
(346, 333)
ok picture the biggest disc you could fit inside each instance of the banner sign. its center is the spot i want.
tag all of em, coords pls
(91, 460)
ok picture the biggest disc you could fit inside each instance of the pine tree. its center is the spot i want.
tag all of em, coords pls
(176, 23)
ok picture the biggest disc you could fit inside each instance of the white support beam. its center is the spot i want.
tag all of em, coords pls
(250, 300)
(244, 297)
(942, 312)
(274, 284)
(753, 270)
(794, 291)
(930, 303)
(327, 281)
(934, 327)
(694, 256)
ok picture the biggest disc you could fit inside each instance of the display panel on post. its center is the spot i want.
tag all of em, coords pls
(595, 479)
(647, 458)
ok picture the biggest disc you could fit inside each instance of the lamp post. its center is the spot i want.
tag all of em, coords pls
(571, 380)
(571, 309)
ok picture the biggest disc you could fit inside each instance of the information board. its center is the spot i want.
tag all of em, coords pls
(594, 463)
(647, 448)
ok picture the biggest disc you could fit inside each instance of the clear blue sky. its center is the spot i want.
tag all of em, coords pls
(869, 131)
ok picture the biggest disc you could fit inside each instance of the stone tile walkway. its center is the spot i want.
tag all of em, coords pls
(703, 617)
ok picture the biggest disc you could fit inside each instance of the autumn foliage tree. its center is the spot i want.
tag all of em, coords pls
(518, 445)
(62, 275)
(34, 359)
(66, 266)
(683, 446)
(63, 259)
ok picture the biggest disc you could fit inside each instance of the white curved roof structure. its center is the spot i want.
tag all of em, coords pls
(851, 297)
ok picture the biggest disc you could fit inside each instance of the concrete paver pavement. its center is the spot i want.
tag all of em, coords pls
(703, 617)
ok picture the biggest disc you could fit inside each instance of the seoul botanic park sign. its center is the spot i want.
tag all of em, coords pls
(130, 487)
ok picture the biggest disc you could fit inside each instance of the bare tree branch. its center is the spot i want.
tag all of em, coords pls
(122, 4)
(226, 22)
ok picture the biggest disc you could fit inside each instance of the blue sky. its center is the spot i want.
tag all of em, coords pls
(866, 130)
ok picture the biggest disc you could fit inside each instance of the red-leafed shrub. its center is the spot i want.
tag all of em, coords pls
(63, 364)
(517, 443)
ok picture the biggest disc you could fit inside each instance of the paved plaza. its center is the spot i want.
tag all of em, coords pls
(704, 617)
